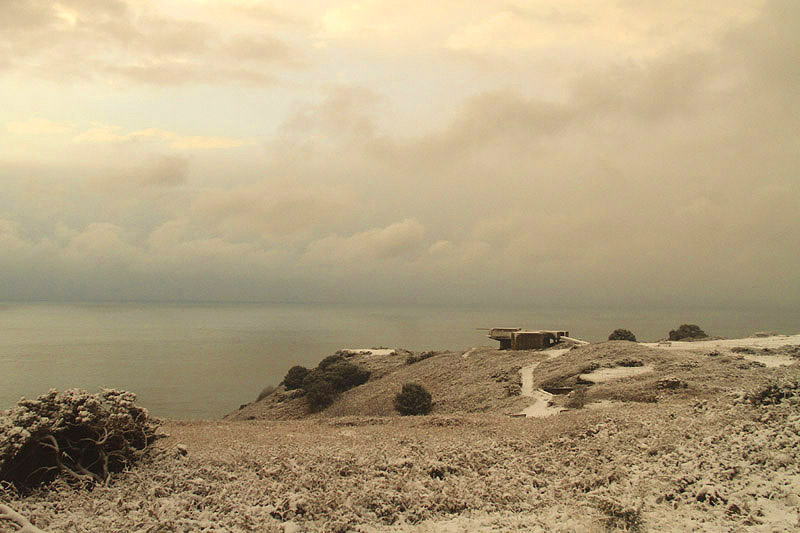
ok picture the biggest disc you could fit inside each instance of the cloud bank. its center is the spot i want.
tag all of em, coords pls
(583, 163)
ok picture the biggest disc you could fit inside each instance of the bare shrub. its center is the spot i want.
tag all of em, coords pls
(414, 399)
(622, 335)
(81, 435)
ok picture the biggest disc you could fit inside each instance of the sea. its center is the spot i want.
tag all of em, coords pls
(203, 360)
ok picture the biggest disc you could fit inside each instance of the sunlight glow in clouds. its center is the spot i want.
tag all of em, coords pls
(553, 151)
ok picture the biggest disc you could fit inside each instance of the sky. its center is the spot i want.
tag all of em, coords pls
(528, 152)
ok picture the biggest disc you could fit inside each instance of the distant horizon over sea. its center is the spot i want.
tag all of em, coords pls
(204, 359)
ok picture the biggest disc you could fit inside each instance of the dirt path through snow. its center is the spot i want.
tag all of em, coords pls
(540, 407)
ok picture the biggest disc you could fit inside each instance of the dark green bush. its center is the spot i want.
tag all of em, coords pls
(320, 392)
(332, 376)
(622, 335)
(687, 331)
(294, 377)
(330, 360)
(414, 399)
(344, 376)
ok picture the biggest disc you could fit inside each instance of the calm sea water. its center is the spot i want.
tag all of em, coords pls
(203, 361)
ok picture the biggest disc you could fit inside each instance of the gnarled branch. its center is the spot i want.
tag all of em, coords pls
(24, 525)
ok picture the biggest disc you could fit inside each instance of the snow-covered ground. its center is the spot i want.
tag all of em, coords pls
(775, 341)
(541, 406)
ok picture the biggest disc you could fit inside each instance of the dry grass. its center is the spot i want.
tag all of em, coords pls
(477, 383)
(700, 458)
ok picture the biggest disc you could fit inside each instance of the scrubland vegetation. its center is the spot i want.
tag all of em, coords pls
(696, 440)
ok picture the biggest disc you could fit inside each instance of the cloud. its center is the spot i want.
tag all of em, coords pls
(564, 28)
(120, 41)
(37, 126)
(273, 208)
(101, 245)
(665, 175)
(108, 134)
(397, 240)
(164, 171)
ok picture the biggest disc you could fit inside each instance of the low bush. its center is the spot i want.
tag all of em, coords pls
(331, 360)
(344, 376)
(411, 359)
(79, 435)
(619, 515)
(320, 392)
(775, 392)
(414, 399)
(294, 377)
(622, 335)
(332, 376)
(743, 349)
(577, 398)
(687, 331)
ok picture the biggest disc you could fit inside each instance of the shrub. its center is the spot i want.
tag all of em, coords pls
(266, 391)
(630, 362)
(330, 360)
(294, 377)
(333, 375)
(687, 331)
(411, 359)
(80, 435)
(620, 515)
(774, 392)
(413, 400)
(577, 398)
(344, 376)
(320, 392)
(622, 335)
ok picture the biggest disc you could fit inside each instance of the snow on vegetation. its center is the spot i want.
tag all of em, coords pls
(705, 441)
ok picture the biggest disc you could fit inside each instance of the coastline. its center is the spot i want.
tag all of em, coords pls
(641, 453)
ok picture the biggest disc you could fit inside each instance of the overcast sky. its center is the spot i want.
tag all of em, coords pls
(611, 152)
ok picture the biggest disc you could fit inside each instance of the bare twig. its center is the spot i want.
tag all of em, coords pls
(7, 513)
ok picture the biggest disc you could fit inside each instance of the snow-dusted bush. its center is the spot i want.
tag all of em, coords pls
(774, 392)
(80, 435)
